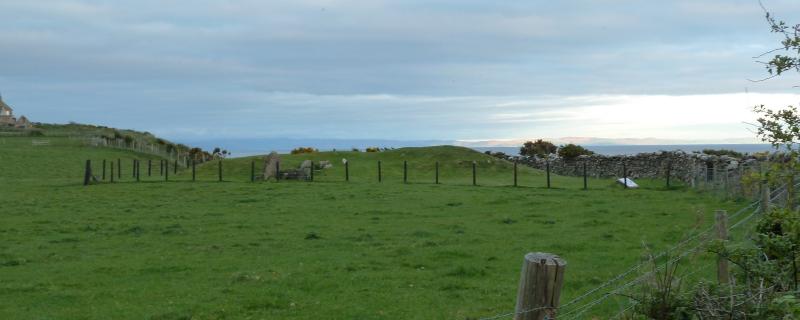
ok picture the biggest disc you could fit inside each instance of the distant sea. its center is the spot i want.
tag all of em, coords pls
(635, 149)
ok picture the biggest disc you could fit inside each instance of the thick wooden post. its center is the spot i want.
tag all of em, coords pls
(515, 173)
(277, 171)
(540, 285)
(436, 178)
(312, 170)
(194, 170)
(161, 167)
(112, 171)
(175, 167)
(765, 197)
(138, 170)
(133, 168)
(624, 175)
(380, 174)
(723, 275)
(87, 173)
(149, 167)
(104, 169)
(119, 168)
(253, 171)
(585, 178)
(405, 171)
(548, 173)
(474, 178)
(347, 171)
(166, 170)
(219, 170)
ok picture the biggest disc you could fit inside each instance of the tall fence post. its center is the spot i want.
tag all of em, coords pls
(277, 171)
(380, 174)
(119, 168)
(436, 173)
(585, 178)
(515, 173)
(540, 285)
(219, 170)
(312, 170)
(347, 171)
(405, 171)
(87, 173)
(175, 167)
(624, 175)
(138, 170)
(166, 170)
(474, 173)
(194, 170)
(111, 171)
(149, 167)
(723, 275)
(548, 173)
(161, 167)
(133, 168)
(104, 169)
(765, 197)
(253, 171)
(669, 173)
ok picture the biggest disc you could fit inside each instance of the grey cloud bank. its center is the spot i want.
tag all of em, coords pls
(392, 70)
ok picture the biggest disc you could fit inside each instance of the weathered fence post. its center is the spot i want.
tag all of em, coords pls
(765, 197)
(312, 170)
(436, 180)
(380, 175)
(104, 169)
(138, 170)
(161, 167)
(166, 170)
(624, 175)
(119, 168)
(474, 173)
(585, 180)
(669, 173)
(112, 171)
(133, 168)
(253, 171)
(347, 171)
(723, 276)
(277, 171)
(87, 173)
(548, 173)
(194, 170)
(175, 167)
(515, 173)
(219, 170)
(540, 285)
(405, 171)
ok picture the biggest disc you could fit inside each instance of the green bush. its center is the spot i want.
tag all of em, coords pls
(572, 151)
(539, 148)
(300, 150)
(723, 152)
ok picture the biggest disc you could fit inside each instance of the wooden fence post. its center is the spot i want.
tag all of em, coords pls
(436, 174)
(312, 170)
(347, 171)
(380, 174)
(87, 173)
(166, 170)
(723, 276)
(161, 167)
(149, 167)
(175, 167)
(277, 171)
(104, 169)
(585, 180)
(540, 285)
(133, 168)
(112, 171)
(138, 170)
(405, 171)
(515, 173)
(765, 197)
(548, 173)
(194, 170)
(119, 168)
(253, 171)
(624, 175)
(219, 170)
(474, 178)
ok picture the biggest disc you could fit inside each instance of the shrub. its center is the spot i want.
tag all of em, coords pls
(539, 148)
(35, 133)
(300, 150)
(373, 149)
(723, 152)
(355, 150)
(572, 151)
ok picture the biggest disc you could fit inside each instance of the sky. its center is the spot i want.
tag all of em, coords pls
(402, 70)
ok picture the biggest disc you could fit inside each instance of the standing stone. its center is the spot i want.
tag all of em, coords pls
(270, 164)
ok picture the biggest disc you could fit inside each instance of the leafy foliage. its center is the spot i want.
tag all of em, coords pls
(538, 148)
(723, 152)
(300, 150)
(572, 151)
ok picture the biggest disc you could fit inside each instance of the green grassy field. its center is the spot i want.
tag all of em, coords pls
(323, 250)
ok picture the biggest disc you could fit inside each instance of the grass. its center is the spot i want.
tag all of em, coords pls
(296, 250)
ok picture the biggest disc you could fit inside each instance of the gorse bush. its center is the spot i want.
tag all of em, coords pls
(539, 148)
(373, 149)
(300, 150)
(572, 151)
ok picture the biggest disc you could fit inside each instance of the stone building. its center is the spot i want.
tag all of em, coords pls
(7, 118)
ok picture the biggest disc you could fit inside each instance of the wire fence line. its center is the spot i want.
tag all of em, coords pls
(570, 312)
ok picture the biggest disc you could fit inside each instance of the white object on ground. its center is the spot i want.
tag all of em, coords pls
(627, 182)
